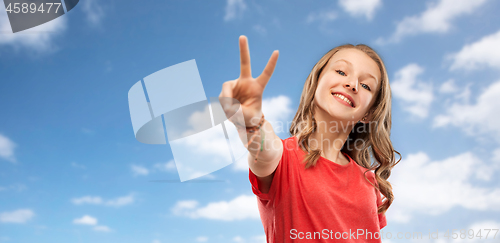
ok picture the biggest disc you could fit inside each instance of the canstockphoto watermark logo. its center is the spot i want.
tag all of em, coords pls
(25, 14)
(201, 137)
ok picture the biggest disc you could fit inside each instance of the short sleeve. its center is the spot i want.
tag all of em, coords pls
(276, 182)
(381, 216)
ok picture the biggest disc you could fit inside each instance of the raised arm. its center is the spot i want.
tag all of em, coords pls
(248, 91)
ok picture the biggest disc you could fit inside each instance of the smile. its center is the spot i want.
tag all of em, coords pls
(346, 100)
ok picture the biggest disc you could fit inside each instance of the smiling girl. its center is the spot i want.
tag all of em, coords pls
(323, 183)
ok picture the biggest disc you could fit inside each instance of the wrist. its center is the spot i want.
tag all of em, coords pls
(254, 121)
(251, 128)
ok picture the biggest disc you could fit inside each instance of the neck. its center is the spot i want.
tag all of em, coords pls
(330, 136)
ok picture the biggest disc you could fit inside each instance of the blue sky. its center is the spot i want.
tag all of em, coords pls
(71, 169)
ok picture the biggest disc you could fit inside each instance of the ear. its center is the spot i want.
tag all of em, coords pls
(367, 117)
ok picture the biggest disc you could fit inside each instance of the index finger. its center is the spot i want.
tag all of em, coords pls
(246, 71)
(269, 69)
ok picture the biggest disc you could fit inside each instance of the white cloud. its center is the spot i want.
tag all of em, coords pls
(18, 216)
(488, 224)
(93, 10)
(450, 92)
(138, 170)
(241, 207)
(482, 53)
(479, 118)
(260, 239)
(168, 166)
(87, 131)
(482, 227)
(38, 39)
(448, 87)
(96, 200)
(18, 187)
(197, 121)
(260, 29)
(253, 239)
(76, 165)
(277, 108)
(213, 146)
(416, 95)
(201, 239)
(102, 228)
(87, 200)
(86, 220)
(364, 8)
(437, 18)
(323, 17)
(91, 221)
(15, 187)
(478, 232)
(180, 206)
(200, 153)
(210, 143)
(121, 201)
(241, 164)
(7, 147)
(238, 239)
(323, 20)
(276, 111)
(234, 9)
(424, 186)
(496, 155)
(156, 241)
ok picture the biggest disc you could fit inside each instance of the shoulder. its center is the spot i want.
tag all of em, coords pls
(290, 144)
(370, 174)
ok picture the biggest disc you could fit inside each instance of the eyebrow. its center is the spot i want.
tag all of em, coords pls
(350, 64)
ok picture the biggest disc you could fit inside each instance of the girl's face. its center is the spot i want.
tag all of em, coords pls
(347, 86)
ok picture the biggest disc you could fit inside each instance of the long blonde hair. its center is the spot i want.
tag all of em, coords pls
(368, 137)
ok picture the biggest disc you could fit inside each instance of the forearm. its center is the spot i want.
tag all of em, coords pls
(264, 146)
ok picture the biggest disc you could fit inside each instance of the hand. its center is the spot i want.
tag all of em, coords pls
(246, 89)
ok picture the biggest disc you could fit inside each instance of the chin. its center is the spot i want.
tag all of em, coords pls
(334, 114)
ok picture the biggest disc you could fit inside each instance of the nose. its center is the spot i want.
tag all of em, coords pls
(352, 85)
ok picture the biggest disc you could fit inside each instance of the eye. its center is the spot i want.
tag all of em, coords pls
(340, 72)
(366, 87)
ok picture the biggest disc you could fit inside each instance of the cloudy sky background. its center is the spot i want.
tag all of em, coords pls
(72, 171)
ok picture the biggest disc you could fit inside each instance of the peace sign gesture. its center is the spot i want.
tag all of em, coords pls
(246, 89)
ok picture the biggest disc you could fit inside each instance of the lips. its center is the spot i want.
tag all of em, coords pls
(345, 97)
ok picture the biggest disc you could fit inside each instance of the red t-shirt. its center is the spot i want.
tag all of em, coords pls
(325, 203)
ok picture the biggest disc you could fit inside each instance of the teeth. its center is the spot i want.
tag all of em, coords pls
(344, 98)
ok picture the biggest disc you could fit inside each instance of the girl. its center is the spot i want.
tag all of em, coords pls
(318, 184)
